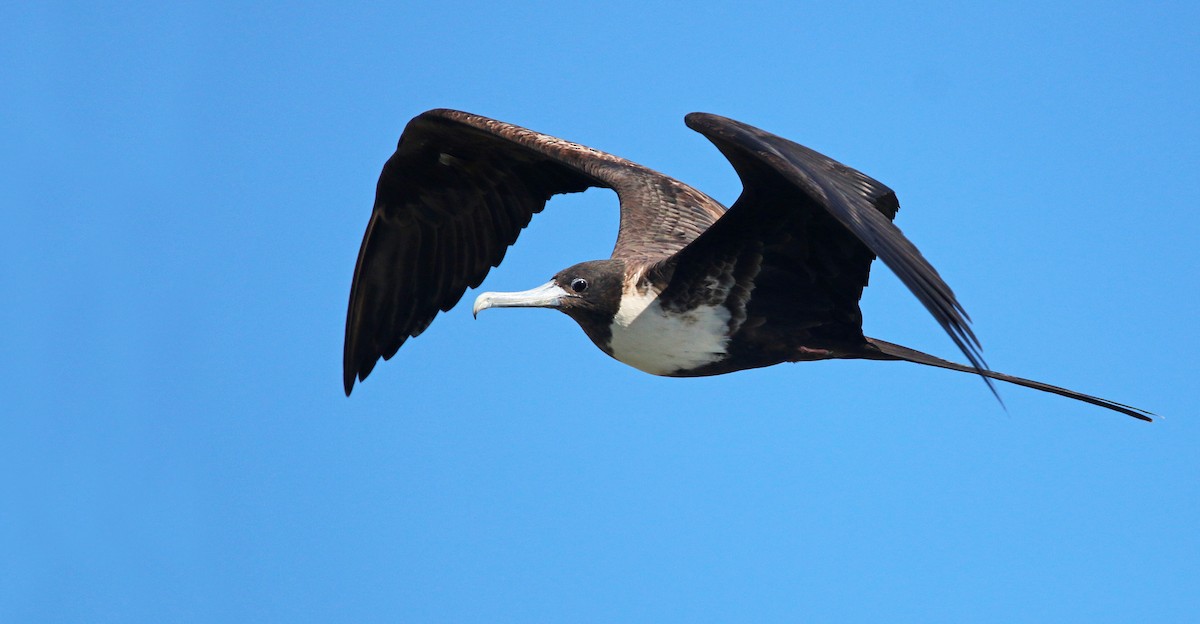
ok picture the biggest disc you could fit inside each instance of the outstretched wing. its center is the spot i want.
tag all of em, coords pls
(819, 220)
(456, 194)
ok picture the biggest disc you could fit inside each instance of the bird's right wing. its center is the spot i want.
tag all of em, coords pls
(456, 194)
(826, 220)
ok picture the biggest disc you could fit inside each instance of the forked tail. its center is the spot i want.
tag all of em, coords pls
(898, 352)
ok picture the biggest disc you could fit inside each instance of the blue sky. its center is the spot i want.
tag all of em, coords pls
(185, 187)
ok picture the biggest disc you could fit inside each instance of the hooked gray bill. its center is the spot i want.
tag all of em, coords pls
(548, 295)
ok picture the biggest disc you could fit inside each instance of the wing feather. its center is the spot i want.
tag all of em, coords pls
(839, 215)
(456, 194)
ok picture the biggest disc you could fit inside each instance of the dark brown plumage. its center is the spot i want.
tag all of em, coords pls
(690, 290)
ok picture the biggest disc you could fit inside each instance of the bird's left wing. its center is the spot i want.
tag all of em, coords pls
(456, 194)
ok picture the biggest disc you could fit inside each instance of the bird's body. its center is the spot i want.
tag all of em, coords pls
(691, 289)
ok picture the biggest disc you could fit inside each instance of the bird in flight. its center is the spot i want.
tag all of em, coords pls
(691, 289)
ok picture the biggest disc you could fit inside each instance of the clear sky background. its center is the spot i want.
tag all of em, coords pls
(184, 189)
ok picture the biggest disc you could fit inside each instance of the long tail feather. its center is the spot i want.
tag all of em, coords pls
(898, 352)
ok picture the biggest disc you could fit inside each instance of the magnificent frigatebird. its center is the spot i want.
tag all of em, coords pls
(691, 289)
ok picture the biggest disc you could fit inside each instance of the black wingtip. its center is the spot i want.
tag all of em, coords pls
(710, 124)
(706, 122)
(350, 372)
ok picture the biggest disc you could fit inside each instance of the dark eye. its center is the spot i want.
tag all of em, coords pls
(579, 284)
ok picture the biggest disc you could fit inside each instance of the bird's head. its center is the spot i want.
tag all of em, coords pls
(588, 291)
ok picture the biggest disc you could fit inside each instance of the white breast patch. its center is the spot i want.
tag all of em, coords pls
(646, 338)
